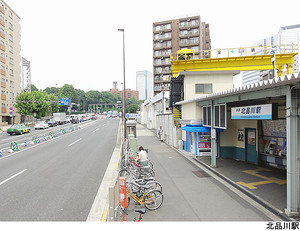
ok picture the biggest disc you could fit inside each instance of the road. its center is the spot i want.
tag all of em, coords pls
(56, 180)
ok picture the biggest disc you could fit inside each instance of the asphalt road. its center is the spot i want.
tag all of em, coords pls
(56, 180)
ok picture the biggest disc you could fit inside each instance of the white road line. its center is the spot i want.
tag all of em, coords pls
(96, 130)
(74, 142)
(12, 176)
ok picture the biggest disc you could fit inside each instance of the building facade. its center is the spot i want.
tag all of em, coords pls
(10, 60)
(287, 39)
(128, 92)
(144, 84)
(173, 35)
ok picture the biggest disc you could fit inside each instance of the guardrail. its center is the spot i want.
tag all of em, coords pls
(42, 138)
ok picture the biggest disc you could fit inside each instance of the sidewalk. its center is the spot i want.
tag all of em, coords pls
(195, 192)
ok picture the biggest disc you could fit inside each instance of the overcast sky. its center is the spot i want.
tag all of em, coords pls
(77, 42)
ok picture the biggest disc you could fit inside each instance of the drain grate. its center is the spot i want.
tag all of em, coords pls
(201, 174)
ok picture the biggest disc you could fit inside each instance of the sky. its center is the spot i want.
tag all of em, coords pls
(78, 42)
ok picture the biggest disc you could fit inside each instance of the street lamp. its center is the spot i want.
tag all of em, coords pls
(124, 106)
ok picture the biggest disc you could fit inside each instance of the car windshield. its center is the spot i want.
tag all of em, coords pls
(15, 126)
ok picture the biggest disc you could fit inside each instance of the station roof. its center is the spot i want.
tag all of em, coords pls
(262, 85)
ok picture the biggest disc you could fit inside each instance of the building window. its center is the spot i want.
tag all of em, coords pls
(11, 60)
(10, 14)
(11, 72)
(205, 88)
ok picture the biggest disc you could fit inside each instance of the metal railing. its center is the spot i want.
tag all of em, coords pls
(235, 52)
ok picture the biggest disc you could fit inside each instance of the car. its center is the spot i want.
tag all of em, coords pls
(18, 129)
(52, 123)
(41, 125)
(74, 120)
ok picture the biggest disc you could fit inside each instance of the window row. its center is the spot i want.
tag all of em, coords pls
(162, 61)
(163, 52)
(162, 36)
(162, 44)
(189, 32)
(189, 23)
(162, 27)
(158, 70)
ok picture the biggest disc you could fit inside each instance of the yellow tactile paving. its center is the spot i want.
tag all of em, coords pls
(267, 180)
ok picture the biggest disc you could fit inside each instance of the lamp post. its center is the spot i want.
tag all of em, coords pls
(124, 101)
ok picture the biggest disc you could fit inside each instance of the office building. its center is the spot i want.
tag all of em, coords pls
(286, 41)
(173, 35)
(10, 59)
(144, 84)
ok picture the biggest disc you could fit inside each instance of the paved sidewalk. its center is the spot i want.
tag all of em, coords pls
(191, 192)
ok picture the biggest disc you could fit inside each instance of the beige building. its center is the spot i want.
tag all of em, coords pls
(10, 61)
(173, 35)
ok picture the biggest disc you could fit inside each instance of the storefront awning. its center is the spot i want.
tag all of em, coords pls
(198, 128)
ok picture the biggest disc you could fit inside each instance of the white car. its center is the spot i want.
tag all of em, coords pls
(41, 125)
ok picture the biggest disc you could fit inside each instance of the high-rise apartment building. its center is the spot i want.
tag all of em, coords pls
(173, 35)
(10, 59)
(144, 84)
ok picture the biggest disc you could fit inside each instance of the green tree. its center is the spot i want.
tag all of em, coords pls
(132, 108)
(34, 88)
(24, 103)
(42, 104)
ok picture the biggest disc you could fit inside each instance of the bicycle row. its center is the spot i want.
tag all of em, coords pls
(141, 185)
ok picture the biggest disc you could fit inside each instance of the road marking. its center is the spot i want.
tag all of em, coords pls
(74, 142)
(12, 176)
(96, 130)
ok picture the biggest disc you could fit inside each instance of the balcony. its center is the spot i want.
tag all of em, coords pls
(2, 10)
(2, 23)
(3, 84)
(191, 24)
(2, 47)
(2, 60)
(3, 97)
(3, 109)
(2, 35)
(3, 72)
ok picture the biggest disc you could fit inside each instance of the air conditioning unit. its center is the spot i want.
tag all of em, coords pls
(188, 28)
(161, 41)
(189, 20)
(160, 32)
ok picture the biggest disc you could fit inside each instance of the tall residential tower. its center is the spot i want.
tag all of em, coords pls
(10, 59)
(173, 35)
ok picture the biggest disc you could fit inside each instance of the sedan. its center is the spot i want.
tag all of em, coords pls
(18, 129)
(41, 125)
(52, 123)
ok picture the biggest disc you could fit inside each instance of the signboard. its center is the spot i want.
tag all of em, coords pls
(64, 101)
(135, 116)
(256, 112)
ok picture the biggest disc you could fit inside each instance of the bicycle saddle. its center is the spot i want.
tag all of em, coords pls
(141, 210)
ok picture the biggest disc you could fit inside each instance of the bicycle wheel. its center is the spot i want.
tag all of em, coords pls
(154, 185)
(147, 172)
(153, 199)
(124, 173)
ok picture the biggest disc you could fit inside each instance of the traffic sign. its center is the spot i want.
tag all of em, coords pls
(64, 101)
(135, 116)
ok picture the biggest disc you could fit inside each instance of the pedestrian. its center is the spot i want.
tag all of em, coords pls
(160, 133)
(142, 156)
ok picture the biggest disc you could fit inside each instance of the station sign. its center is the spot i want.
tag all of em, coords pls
(134, 116)
(254, 112)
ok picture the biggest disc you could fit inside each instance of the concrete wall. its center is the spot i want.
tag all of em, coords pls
(220, 81)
